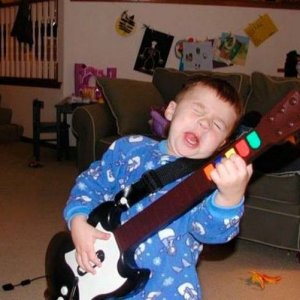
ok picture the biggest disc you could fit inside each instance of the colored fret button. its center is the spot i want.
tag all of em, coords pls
(207, 170)
(218, 159)
(253, 140)
(230, 152)
(242, 148)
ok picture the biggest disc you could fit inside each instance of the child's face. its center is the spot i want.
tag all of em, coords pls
(200, 123)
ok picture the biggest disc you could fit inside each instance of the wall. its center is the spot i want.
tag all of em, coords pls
(89, 37)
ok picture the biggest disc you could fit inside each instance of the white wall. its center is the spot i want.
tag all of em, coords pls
(89, 37)
(96, 42)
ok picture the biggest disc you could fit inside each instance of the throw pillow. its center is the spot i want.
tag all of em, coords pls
(267, 91)
(170, 81)
(130, 102)
(159, 124)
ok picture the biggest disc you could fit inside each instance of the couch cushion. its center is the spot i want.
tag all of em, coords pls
(170, 81)
(130, 102)
(267, 91)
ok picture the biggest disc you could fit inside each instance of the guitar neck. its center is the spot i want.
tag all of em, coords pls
(184, 196)
(278, 124)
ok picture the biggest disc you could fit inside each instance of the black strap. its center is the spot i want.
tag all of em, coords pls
(153, 180)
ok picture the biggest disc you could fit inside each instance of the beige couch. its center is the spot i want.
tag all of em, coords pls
(273, 198)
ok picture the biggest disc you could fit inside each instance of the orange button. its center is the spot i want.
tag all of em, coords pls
(207, 170)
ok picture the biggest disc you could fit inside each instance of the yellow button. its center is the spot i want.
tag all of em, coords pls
(230, 152)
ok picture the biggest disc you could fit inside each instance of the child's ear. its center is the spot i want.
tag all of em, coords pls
(169, 112)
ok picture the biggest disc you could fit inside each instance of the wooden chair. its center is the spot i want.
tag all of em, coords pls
(40, 127)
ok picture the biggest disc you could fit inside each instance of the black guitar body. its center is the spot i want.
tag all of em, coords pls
(108, 214)
(58, 273)
(65, 280)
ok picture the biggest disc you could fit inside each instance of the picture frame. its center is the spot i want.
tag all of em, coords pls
(279, 4)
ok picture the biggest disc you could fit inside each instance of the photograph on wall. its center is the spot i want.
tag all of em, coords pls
(154, 51)
(197, 56)
(231, 49)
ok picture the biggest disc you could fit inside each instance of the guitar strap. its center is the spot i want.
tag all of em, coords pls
(153, 180)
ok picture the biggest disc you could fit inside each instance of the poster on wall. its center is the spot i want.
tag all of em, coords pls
(154, 51)
(197, 56)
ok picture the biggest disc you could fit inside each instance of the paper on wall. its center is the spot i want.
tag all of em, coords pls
(261, 29)
(197, 55)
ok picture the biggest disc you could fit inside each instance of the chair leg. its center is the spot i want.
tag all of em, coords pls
(36, 144)
(63, 141)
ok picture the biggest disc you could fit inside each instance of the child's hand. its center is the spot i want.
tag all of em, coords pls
(84, 237)
(231, 177)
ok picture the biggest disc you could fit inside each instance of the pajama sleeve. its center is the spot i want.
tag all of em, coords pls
(213, 224)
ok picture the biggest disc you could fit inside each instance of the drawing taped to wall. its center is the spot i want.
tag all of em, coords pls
(197, 56)
(231, 49)
(154, 51)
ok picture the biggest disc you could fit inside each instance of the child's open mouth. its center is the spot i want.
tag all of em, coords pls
(191, 139)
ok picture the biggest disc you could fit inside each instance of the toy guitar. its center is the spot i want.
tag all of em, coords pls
(119, 275)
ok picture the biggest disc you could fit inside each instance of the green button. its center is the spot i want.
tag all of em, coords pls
(253, 140)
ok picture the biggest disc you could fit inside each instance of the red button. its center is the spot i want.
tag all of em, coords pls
(242, 148)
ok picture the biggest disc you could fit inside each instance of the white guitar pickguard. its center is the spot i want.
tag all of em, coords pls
(107, 279)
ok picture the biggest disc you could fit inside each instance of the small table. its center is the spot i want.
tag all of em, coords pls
(63, 108)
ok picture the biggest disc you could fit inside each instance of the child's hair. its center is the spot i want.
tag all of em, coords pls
(223, 89)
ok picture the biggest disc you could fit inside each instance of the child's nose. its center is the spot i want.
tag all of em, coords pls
(204, 123)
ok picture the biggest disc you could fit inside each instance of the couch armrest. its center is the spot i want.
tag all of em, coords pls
(5, 116)
(89, 124)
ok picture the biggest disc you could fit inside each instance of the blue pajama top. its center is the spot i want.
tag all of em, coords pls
(172, 253)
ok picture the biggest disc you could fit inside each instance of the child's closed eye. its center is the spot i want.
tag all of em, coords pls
(219, 125)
